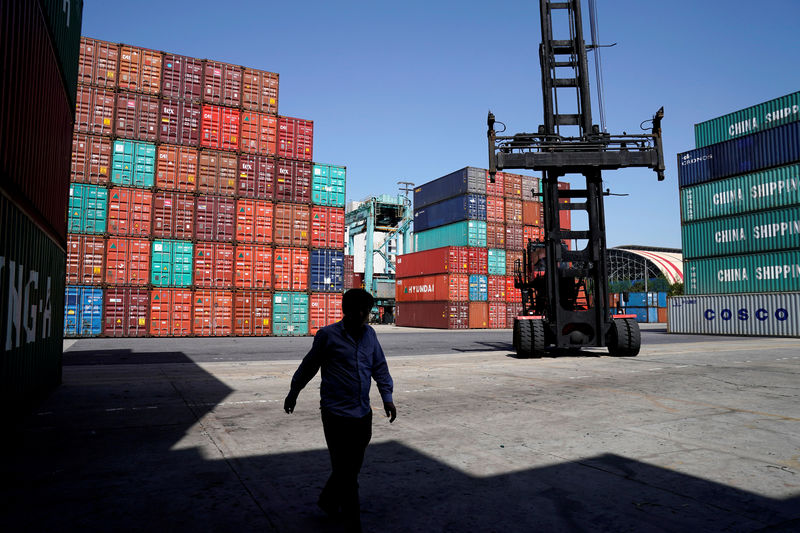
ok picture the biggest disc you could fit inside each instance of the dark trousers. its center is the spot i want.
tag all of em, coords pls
(347, 440)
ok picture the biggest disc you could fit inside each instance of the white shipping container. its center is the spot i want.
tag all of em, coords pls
(758, 314)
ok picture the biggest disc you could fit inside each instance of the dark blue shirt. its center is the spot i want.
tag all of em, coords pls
(348, 365)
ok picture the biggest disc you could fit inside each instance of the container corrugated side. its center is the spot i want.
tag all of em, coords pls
(252, 313)
(439, 315)
(448, 259)
(64, 22)
(768, 189)
(750, 120)
(32, 273)
(766, 272)
(468, 180)
(774, 314)
(456, 209)
(253, 266)
(469, 233)
(125, 312)
(764, 231)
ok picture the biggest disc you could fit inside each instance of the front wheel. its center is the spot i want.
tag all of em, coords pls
(531, 338)
(624, 338)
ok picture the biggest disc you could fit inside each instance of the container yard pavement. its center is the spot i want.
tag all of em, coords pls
(694, 434)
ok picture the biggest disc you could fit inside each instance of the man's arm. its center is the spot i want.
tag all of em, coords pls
(380, 373)
(305, 372)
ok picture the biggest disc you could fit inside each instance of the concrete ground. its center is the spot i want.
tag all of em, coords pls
(694, 434)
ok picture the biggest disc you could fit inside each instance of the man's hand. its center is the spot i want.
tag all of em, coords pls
(289, 403)
(391, 411)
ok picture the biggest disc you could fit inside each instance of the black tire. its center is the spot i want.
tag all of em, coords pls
(625, 338)
(515, 335)
(537, 338)
(524, 347)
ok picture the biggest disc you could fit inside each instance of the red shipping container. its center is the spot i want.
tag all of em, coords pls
(85, 257)
(254, 221)
(253, 266)
(220, 128)
(292, 224)
(127, 261)
(291, 269)
(252, 313)
(179, 122)
(478, 260)
(260, 91)
(295, 138)
(532, 233)
(182, 78)
(139, 70)
(441, 315)
(222, 84)
(217, 174)
(497, 315)
(495, 235)
(449, 259)
(532, 214)
(565, 215)
(324, 308)
(327, 227)
(513, 211)
(512, 186)
(512, 293)
(293, 182)
(97, 63)
(256, 176)
(126, 311)
(215, 218)
(349, 264)
(495, 209)
(512, 312)
(176, 168)
(129, 211)
(173, 215)
(213, 265)
(497, 288)
(94, 111)
(136, 117)
(213, 313)
(514, 237)
(438, 287)
(170, 312)
(258, 133)
(478, 315)
(511, 259)
(498, 187)
(91, 159)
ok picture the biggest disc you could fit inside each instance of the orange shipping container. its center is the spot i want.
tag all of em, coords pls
(170, 312)
(253, 266)
(85, 257)
(173, 215)
(439, 287)
(292, 224)
(177, 168)
(565, 215)
(139, 70)
(512, 293)
(213, 265)
(327, 227)
(513, 211)
(129, 211)
(498, 187)
(254, 220)
(94, 110)
(217, 174)
(478, 315)
(512, 256)
(258, 133)
(495, 209)
(495, 235)
(323, 309)
(498, 315)
(97, 63)
(532, 214)
(260, 91)
(477, 261)
(512, 186)
(127, 261)
(291, 269)
(532, 233)
(497, 288)
(252, 313)
(219, 127)
(213, 313)
(91, 159)
(662, 315)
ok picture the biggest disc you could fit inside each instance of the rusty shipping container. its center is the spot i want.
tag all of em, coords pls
(127, 261)
(440, 315)
(477, 260)
(295, 138)
(495, 235)
(323, 309)
(437, 287)
(478, 315)
(258, 133)
(254, 221)
(252, 313)
(532, 214)
(219, 127)
(253, 266)
(98, 62)
(91, 159)
(293, 182)
(213, 265)
(170, 312)
(180, 122)
(176, 168)
(217, 173)
(173, 215)
(182, 78)
(495, 209)
(222, 84)
(213, 313)
(94, 110)
(256, 177)
(126, 312)
(512, 186)
(498, 187)
(215, 218)
(512, 293)
(260, 91)
(291, 269)
(498, 315)
(129, 211)
(139, 70)
(136, 116)
(446, 260)
(513, 211)
(512, 257)
(515, 237)
(292, 225)
(327, 227)
(497, 288)
(85, 259)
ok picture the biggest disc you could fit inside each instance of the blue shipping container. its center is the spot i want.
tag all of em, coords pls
(640, 312)
(83, 312)
(464, 207)
(768, 148)
(636, 299)
(468, 180)
(327, 270)
(478, 288)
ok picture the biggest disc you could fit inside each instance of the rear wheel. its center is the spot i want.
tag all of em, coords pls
(530, 338)
(625, 338)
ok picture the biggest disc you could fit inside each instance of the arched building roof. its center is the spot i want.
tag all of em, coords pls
(629, 262)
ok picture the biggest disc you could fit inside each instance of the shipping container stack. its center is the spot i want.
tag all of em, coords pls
(468, 234)
(195, 208)
(647, 306)
(740, 217)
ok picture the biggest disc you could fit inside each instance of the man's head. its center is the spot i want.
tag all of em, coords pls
(356, 305)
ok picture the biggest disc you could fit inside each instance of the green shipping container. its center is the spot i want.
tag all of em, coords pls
(466, 233)
(32, 274)
(64, 19)
(328, 185)
(497, 262)
(88, 208)
(172, 263)
(767, 272)
(134, 163)
(768, 189)
(746, 121)
(289, 314)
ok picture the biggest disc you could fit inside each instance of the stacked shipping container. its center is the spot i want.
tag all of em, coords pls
(192, 202)
(740, 215)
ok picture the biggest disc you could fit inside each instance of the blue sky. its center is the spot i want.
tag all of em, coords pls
(400, 90)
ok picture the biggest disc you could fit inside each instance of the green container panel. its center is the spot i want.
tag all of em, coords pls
(64, 24)
(764, 231)
(768, 189)
(466, 233)
(88, 208)
(171, 263)
(328, 185)
(133, 163)
(766, 272)
(32, 275)
(497, 262)
(753, 119)
(290, 314)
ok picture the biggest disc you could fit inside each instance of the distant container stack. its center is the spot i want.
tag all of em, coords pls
(740, 216)
(468, 234)
(195, 208)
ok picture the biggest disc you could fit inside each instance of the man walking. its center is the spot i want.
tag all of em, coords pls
(349, 355)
